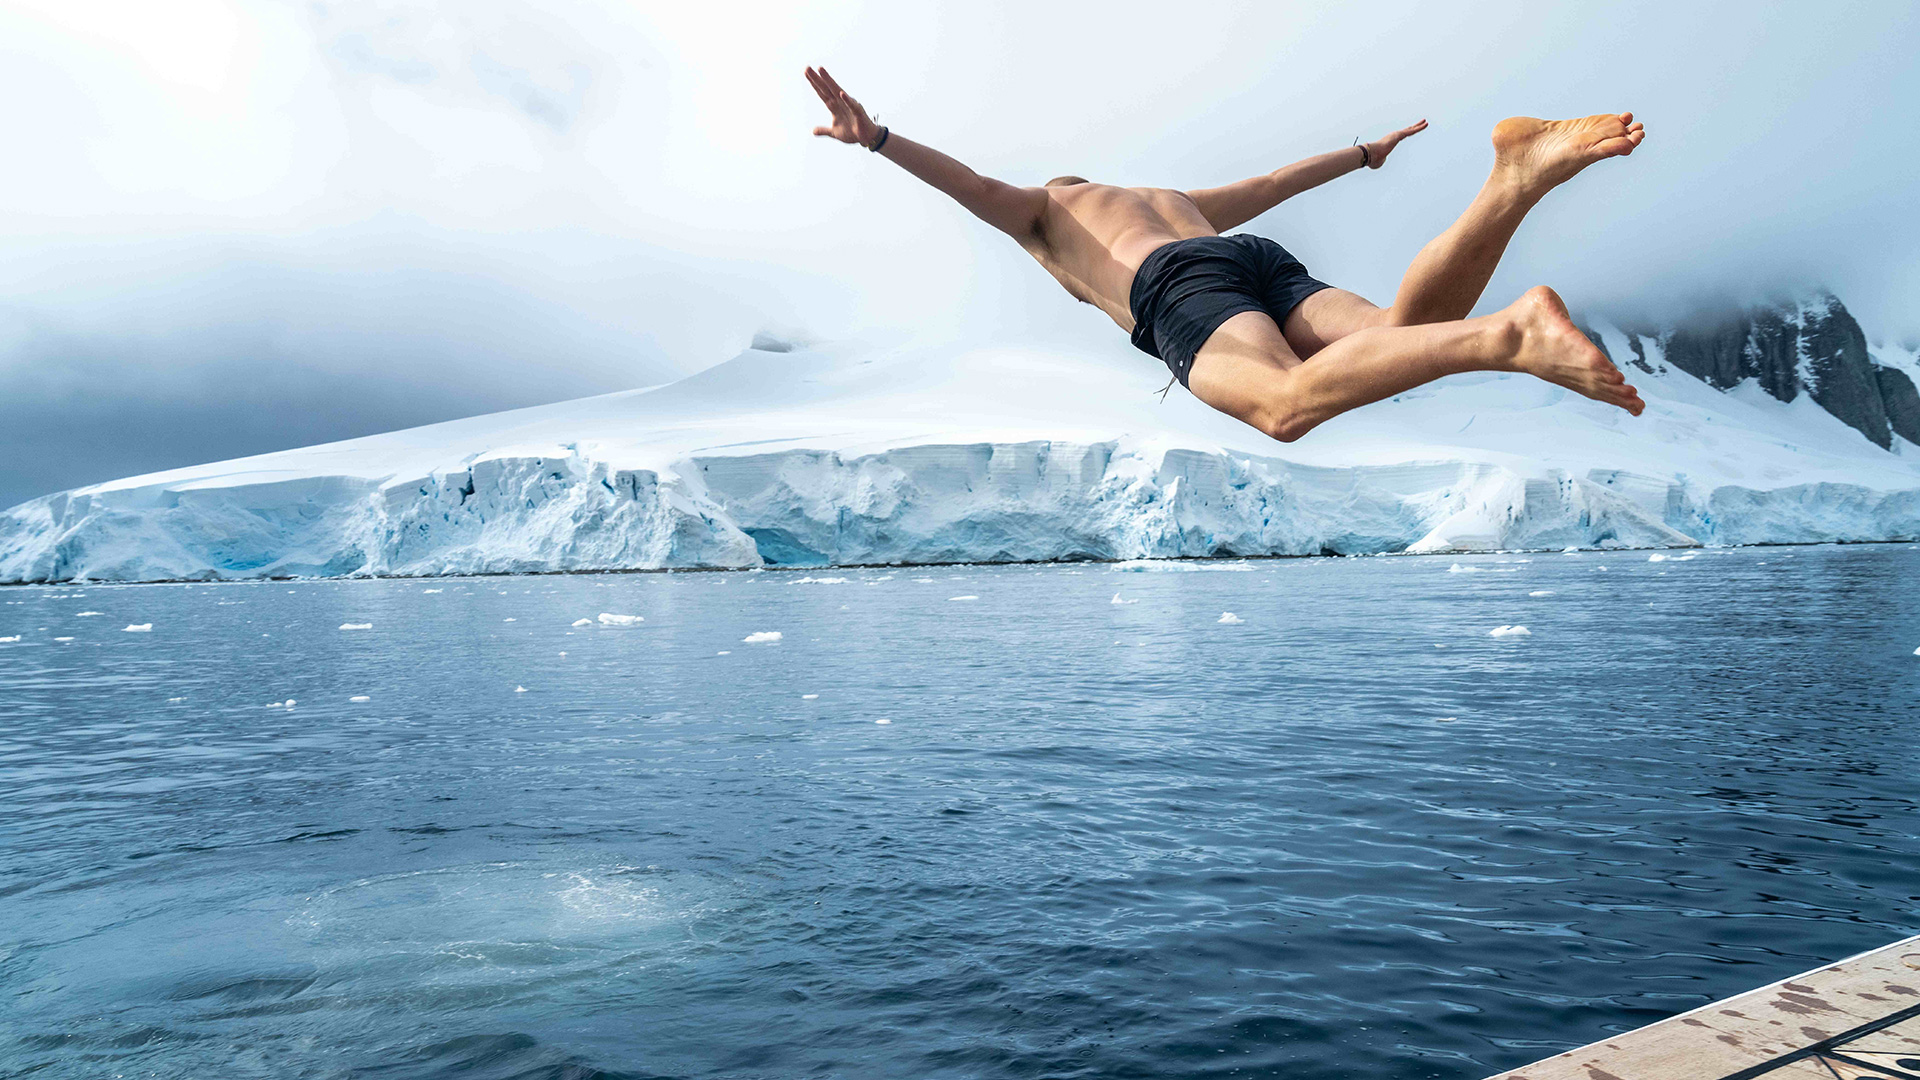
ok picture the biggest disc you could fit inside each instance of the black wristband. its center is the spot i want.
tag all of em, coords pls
(879, 142)
(1366, 156)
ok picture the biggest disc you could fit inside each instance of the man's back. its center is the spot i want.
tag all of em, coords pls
(1092, 237)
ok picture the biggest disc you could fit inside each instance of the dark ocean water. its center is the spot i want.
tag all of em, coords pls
(1350, 836)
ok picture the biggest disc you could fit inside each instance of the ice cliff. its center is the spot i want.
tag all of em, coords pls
(1779, 424)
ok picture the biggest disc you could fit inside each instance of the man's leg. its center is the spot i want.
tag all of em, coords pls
(1530, 158)
(1248, 371)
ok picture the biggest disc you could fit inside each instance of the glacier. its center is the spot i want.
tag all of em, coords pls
(860, 453)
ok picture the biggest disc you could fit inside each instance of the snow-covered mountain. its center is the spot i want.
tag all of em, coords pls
(1775, 425)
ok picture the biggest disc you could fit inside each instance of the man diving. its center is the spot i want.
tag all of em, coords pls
(1238, 320)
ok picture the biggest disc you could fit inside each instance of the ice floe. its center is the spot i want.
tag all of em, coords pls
(138, 628)
(819, 581)
(1117, 600)
(519, 689)
(883, 720)
(808, 697)
(762, 637)
(610, 619)
(1176, 566)
(1509, 631)
(1541, 592)
(432, 590)
(356, 626)
(360, 697)
(582, 622)
(87, 614)
(1459, 568)
(952, 598)
(7, 640)
(1230, 618)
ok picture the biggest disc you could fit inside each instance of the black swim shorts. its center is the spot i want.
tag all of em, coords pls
(1183, 291)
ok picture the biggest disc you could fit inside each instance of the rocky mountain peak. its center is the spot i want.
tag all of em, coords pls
(1809, 345)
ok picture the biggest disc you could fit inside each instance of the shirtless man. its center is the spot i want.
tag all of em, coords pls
(1237, 319)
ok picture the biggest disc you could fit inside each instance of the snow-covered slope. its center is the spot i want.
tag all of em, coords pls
(861, 454)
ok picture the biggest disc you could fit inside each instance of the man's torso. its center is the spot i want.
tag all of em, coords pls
(1094, 236)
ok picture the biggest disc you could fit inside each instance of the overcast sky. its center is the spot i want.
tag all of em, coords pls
(234, 227)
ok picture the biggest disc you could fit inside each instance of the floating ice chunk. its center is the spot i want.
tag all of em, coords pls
(1573, 549)
(563, 652)
(63, 639)
(923, 581)
(1230, 618)
(15, 637)
(509, 620)
(819, 581)
(360, 697)
(1179, 566)
(1541, 592)
(762, 637)
(1509, 631)
(1657, 557)
(356, 626)
(951, 598)
(289, 703)
(1916, 652)
(276, 704)
(138, 628)
(582, 622)
(883, 720)
(85, 614)
(175, 700)
(1445, 719)
(519, 689)
(1456, 568)
(724, 652)
(1437, 645)
(609, 619)
(1117, 600)
(432, 590)
(810, 697)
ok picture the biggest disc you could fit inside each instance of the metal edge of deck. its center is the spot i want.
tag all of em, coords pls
(1811, 1025)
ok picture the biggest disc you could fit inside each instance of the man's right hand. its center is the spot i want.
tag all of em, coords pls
(1378, 149)
(851, 124)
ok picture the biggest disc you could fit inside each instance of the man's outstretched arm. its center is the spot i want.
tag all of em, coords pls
(1013, 210)
(1236, 204)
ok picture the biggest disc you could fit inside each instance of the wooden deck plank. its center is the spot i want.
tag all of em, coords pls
(1854, 1019)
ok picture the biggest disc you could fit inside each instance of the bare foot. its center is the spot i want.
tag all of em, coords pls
(1552, 348)
(1542, 154)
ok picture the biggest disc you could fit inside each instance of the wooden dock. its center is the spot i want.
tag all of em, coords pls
(1854, 1019)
